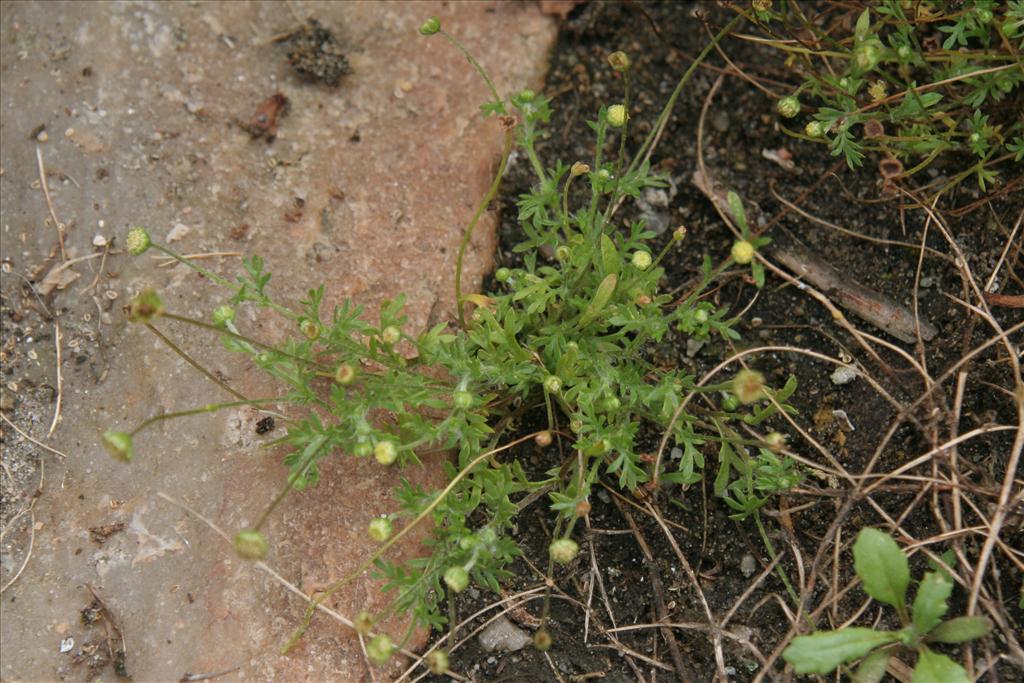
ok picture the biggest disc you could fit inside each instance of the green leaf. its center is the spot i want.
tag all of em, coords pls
(736, 206)
(960, 630)
(872, 669)
(882, 566)
(602, 296)
(930, 602)
(609, 256)
(860, 31)
(822, 652)
(935, 668)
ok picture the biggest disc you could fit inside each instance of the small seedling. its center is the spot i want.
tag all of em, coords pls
(885, 574)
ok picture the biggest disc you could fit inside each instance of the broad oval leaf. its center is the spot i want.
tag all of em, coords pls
(822, 652)
(609, 255)
(930, 602)
(960, 630)
(882, 567)
(872, 668)
(601, 298)
(935, 668)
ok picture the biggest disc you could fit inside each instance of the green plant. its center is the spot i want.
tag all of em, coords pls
(566, 336)
(913, 81)
(885, 574)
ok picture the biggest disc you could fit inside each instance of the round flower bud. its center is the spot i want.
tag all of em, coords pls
(562, 253)
(730, 403)
(502, 274)
(487, 536)
(775, 441)
(363, 449)
(462, 399)
(468, 542)
(904, 52)
(867, 55)
(385, 452)
(380, 529)
(564, 550)
(700, 316)
(788, 107)
(617, 116)
(344, 374)
(814, 129)
(762, 5)
(456, 578)
(604, 174)
(679, 233)
(251, 545)
(579, 168)
(619, 60)
(552, 384)
(145, 306)
(223, 315)
(310, 329)
(985, 16)
(576, 425)
(363, 623)
(119, 444)
(430, 26)
(527, 95)
(543, 439)
(137, 241)
(542, 640)
(748, 386)
(437, 662)
(609, 404)
(390, 334)
(380, 648)
(742, 252)
(642, 260)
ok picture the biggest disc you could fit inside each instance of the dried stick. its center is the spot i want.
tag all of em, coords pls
(49, 202)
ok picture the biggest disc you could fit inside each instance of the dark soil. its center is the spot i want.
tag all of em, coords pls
(728, 555)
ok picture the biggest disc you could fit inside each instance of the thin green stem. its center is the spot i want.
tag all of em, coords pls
(208, 408)
(368, 562)
(667, 110)
(188, 359)
(506, 150)
(476, 65)
(313, 448)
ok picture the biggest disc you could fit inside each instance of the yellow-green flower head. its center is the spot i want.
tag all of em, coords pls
(223, 315)
(642, 260)
(380, 529)
(119, 444)
(430, 26)
(619, 60)
(788, 107)
(137, 241)
(814, 129)
(437, 662)
(456, 578)
(564, 550)
(742, 252)
(251, 545)
(145, 306)
(380, 648)
(617, 116)
(748, 386)
(385, 452)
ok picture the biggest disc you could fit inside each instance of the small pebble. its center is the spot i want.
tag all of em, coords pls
(748, 565)
(927, 282)
(503, 636)
(844, 374)
(43, 137)
(99, 241)
(693, 346)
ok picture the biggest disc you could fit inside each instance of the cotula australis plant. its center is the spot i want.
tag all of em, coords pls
(565, 335)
